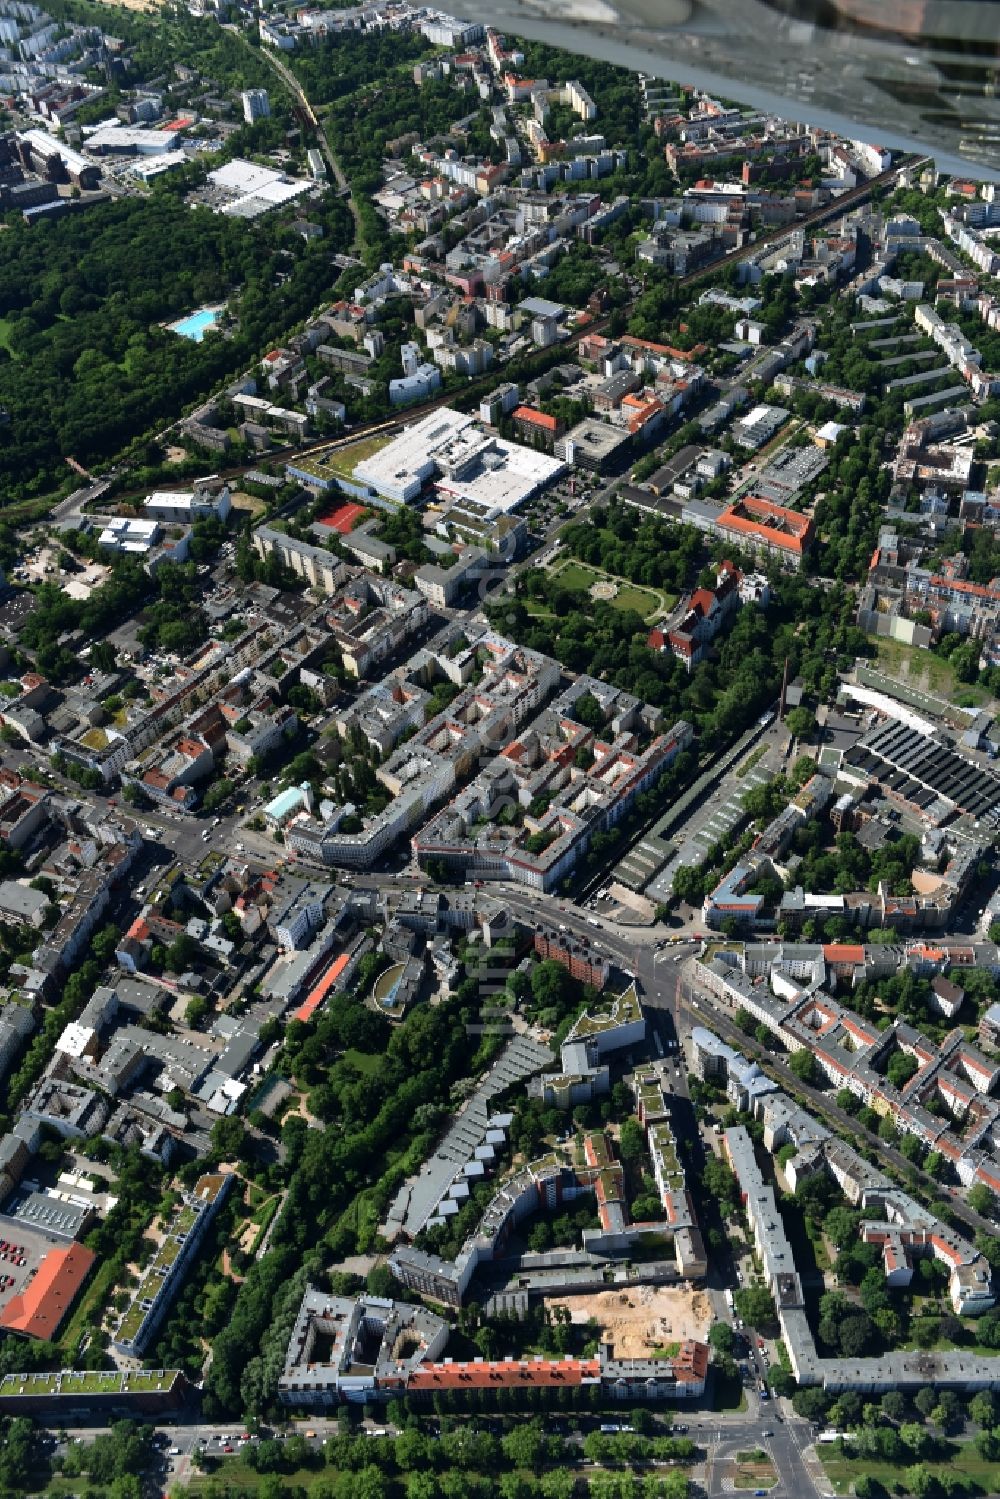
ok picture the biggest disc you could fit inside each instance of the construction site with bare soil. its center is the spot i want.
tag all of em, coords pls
(643, 1321)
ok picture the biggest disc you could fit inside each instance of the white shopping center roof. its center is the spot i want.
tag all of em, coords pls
(469, 463)
(241, 176)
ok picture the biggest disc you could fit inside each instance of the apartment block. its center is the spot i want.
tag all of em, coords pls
(161, 1279)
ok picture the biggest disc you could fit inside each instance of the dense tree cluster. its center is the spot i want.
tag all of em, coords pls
(83, 300)
(527, 1461)
(341, 1178)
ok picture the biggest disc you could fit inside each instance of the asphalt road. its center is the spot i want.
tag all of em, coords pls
(719, 1435)
(785, 1447)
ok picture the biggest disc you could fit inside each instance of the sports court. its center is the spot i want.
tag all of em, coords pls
(343, 519)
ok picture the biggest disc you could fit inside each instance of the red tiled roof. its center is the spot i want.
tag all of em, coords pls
(780, 527)
(962, 585)
(843, 952)
(533, 418)
(509, 1372)
(684, 355)
(647, 410)
(317, 995)
(48, 1296)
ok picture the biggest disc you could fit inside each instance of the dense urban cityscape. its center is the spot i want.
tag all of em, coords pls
(499, 682)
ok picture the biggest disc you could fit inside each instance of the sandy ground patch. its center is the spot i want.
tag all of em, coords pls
(641, 1318)
(82, 585)
(633, 909)
(176, 454)
(243, 501)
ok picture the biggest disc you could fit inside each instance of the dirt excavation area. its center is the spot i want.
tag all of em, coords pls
(641, 1321)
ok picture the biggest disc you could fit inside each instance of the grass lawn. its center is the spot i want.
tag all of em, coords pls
(945, 1345)
(248, 503)
(981, 1477)
(5, 327)
(341, 462)
(364, 1062)
(263, 1217)
(649, 602)
(630, 597)
(929, 673)
(265, 1211)
(819, 1247)
(577, 574)
(95, 1295)
(233, 1470)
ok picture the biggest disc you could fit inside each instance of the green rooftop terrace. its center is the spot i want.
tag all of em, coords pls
(662, 1142)
(184, 1218)
(625, 1010)
(72, 1382)
(650, 1095)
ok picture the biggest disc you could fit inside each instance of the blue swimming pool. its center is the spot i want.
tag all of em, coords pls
(194, 325)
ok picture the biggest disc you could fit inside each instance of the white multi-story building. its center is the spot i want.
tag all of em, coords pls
(256, 104)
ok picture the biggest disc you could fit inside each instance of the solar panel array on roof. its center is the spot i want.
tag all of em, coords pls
(923, 770)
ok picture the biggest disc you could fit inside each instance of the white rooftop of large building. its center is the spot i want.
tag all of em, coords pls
(129, 535)
(118, 137)
(241, 176)
(75, 1039)
(47, 145)
(758, 414)
(464, 461)
(408, 460)
(175, 499)
(255, 189)
(127, 525)
(501, 475)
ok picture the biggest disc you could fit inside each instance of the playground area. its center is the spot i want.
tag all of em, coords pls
(643, 1321)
